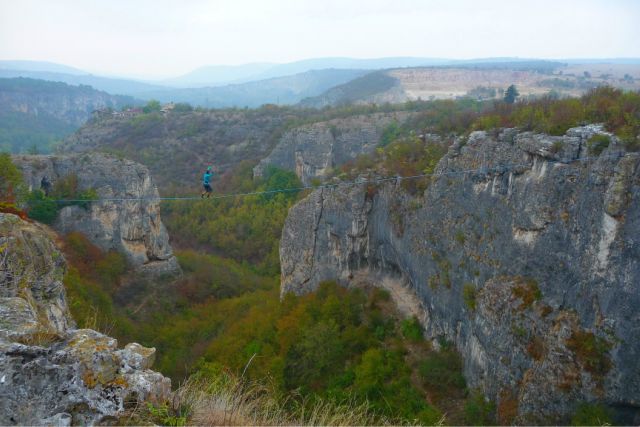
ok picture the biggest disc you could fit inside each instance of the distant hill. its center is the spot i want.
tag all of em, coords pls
(226, 74)
(256, 84)
(40, 66)
(481, 80)
(285, 90)
(357, 91)
(35, 113)
(217, 75)
(107, 84)
(278, 90)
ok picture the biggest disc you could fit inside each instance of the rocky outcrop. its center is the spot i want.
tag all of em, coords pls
(132, 227)
(313, 150)
(51, 373)
(530, 264)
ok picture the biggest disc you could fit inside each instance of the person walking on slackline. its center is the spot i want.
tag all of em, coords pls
(206, 183)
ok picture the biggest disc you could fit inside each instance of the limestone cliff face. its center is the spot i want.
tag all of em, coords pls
(50, 372)
(532, 270)
(311, 151)
(131, 227)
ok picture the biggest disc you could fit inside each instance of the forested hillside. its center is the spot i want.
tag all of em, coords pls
(35, 113)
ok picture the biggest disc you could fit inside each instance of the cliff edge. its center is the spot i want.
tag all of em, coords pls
(524, 251)
(50, 372)
(132, 227)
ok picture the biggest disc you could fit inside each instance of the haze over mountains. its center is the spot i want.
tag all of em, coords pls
(219, 75)
(31, 105)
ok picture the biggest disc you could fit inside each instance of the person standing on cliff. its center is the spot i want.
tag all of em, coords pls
(45, 185)
(206, 183)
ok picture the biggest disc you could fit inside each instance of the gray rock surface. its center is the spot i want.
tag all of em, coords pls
(544, 242)
(313, 150)
(133, 228)
(51, 373)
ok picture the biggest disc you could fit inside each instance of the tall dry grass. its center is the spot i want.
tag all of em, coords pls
(232, 401)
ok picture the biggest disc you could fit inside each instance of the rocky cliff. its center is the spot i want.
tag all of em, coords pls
(312, 150)
(133, 227)
(530, 265)
(50, 372)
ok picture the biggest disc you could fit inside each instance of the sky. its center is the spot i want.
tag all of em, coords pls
(166, 38)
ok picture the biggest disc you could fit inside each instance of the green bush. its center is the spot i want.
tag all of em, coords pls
(390, 133)
(45, 209)
(591, 414)
(469, 295)
(152, 106)
(412, 329)
(442, 370)
(478, 411)
(42, 208)
(598, 143)
(592, 351)
(11, 186)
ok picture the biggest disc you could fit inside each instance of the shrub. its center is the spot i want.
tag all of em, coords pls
(598, 143)
(442, 370)
(390, 134)
(556, 147)
(591, 414)
(478, 411)
(412, 329)
(182, 107)
(42, 208)
(469, 295)
(527, 290)
(507, 409)
(536, 348)
(152, 106)
(591, 350)
(45, 209)
(11, 186)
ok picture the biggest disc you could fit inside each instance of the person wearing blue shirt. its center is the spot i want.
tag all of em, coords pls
(206, 183)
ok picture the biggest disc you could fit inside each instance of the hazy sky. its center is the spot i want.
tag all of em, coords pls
(158, 38)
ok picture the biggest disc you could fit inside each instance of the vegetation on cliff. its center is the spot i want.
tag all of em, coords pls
(224, 318)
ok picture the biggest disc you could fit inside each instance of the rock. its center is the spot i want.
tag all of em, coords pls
(546, 241)
(137, 356)
(17, 319)
(313, 150)
(51, 373)
(133, 228)
(31, 270)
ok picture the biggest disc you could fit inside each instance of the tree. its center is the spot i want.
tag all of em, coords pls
(152, 106)
(511, 94)
(10, 179)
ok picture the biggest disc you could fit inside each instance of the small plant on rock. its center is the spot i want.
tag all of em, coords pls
(598, 143)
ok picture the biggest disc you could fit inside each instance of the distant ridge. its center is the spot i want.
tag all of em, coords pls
(40, 66)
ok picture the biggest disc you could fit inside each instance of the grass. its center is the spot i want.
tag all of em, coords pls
(598, 143)
(591, 414)
(469, 295)
(231, 400)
